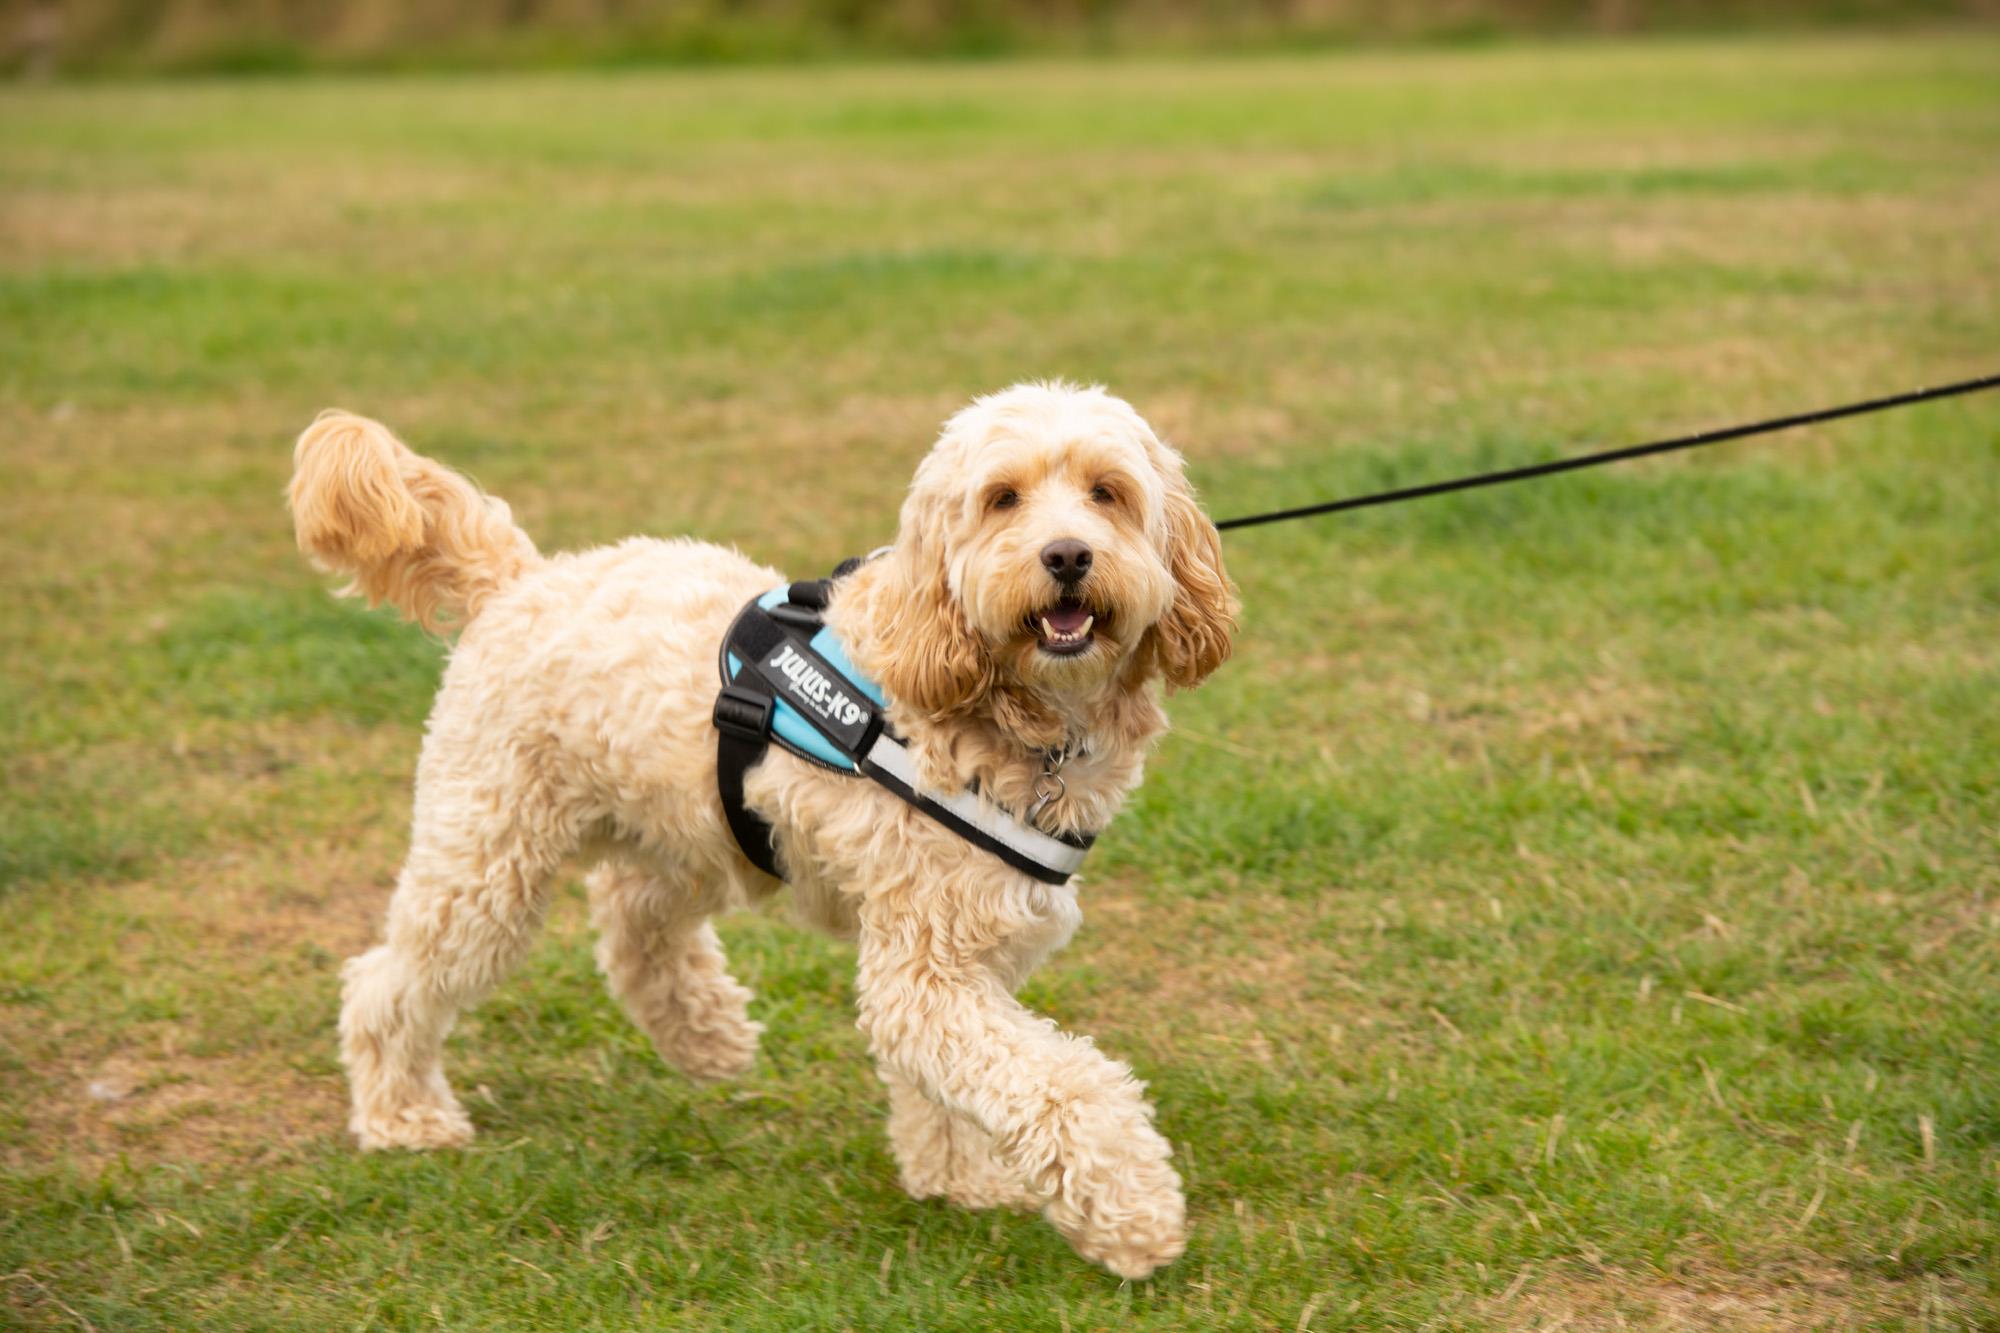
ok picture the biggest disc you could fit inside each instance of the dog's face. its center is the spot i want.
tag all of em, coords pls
(1050, 542)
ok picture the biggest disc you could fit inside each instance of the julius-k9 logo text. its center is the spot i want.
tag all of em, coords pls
(810, 685)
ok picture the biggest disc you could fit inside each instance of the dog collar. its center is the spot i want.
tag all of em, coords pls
(787, 679)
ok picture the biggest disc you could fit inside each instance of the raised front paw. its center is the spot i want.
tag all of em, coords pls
(1126, 1211)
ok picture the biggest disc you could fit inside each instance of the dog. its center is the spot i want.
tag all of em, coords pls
(1051, 571)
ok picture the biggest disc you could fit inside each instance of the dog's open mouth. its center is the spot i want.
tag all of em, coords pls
(1065, 629)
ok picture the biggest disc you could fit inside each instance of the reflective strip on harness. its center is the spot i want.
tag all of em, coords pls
(1050, 859)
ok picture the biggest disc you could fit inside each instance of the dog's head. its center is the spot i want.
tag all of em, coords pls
(1050, 544)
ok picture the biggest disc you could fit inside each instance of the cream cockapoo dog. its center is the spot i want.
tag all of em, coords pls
(1051, 565)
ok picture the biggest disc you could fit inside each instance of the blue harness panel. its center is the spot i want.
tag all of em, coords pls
(793, 731)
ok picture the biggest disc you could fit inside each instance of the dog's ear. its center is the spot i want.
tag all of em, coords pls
(925, 653)
(1195, 635)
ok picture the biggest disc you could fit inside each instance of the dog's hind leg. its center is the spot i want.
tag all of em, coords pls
(665, 965)
(467, 905)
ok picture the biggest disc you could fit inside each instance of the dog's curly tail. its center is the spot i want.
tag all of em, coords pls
(408, 531)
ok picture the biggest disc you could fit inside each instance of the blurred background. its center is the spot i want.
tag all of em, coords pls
(1576, 906)
(277, 35)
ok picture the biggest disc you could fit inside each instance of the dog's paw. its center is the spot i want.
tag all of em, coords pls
(710, 1055)
(414, 1127)
(1137, 1249)
(1128, 1215)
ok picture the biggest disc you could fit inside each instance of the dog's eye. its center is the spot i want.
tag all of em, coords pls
(1006, 499)
(1104, 495)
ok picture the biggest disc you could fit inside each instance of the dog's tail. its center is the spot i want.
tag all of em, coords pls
(406, 530)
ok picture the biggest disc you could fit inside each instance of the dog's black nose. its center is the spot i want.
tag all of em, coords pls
(1068, 560)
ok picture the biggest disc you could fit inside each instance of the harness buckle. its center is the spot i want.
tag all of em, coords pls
(797, 617)
(744, 712)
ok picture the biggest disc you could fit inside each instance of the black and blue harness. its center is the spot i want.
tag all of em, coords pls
(787, 679)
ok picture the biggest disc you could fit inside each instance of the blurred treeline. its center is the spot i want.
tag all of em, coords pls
(212, 36)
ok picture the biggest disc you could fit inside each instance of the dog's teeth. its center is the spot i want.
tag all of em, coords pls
(1077, 635)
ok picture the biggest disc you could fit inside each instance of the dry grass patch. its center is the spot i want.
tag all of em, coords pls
(1788, 1298)
(1237, 975)
(213, 1083)
(151, 1104)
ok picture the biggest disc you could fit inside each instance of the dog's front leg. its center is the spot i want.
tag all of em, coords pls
(1073, 1125)
(940, 1152)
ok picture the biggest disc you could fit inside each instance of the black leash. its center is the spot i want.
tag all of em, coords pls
(1617, 455)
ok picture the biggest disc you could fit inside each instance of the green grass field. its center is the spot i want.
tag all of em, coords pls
(1577, 905)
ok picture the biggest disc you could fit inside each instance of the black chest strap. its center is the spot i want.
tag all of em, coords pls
(742, 720)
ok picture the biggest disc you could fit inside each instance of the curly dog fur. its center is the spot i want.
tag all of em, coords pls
(574, 719)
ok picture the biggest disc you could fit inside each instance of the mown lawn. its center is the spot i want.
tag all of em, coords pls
(1577, 904)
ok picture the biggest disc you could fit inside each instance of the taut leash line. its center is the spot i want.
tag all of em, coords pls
(1695, 441)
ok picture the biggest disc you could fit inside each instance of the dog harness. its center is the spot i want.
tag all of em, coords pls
(787, 679)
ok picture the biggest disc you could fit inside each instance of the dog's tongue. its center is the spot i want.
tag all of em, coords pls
(1066, 619)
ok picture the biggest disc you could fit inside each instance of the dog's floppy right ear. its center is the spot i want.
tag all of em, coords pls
(925, 653)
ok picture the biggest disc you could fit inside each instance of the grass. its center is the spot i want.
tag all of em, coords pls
(1575, 905)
